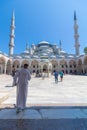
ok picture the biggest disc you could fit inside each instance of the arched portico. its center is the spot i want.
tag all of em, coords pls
(80, 68)
(64, 66)
(2, 65)
(54, 65)
(85, 64)
(72, 66)
(24, 62)
(35, 66)
(16, 64)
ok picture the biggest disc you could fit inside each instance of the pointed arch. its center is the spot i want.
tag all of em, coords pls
(16, 64)
(9, 67)
(80, 69)
(85, 60)
(35, 66)
(54, 65)
(25, 62)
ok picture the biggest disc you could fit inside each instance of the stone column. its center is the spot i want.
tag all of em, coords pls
(41, 68)
(5, 66)
(48, 70)
(58, 67)
(68, 67)
(10, 69)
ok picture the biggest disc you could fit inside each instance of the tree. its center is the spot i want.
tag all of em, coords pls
(85, 50)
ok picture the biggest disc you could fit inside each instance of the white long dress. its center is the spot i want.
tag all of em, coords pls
(21, 79)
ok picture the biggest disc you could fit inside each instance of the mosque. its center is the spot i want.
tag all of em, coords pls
(44, 56)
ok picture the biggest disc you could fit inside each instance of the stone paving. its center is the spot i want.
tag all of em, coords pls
(50, 106)
(72, 91)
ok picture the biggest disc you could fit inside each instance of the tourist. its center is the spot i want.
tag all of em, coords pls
(21, 80)
(13, 72)
(56, 76)
(43, 75)
(61, 76)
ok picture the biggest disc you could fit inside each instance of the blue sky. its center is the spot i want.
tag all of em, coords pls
(38, 20)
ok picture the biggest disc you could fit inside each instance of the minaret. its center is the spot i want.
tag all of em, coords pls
(11, 44)
(60, 45)
(27, 48)
(76, 35)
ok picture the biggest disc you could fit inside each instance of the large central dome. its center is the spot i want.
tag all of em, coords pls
(44, 42)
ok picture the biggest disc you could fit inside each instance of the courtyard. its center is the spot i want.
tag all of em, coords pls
(50, 106)
(71, 92)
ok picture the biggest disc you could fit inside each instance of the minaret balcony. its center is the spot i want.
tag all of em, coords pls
(12, 36)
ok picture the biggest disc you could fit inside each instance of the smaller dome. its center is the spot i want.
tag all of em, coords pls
(61, 56)
(19, 57)
(52, 56)
(63, 52)
(25, 56)
(82, 54)
(26, 51)
(70, 56)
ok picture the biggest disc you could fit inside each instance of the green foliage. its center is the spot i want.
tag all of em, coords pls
(85, 50)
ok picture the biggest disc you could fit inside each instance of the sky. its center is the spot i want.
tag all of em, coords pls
(43, 20)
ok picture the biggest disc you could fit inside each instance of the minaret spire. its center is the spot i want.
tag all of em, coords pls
(12, 28)
(75, 15)
(76, 35)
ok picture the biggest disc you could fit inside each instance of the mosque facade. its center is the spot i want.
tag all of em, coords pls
(44, 56)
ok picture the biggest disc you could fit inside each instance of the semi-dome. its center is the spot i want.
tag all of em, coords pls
(35, 56)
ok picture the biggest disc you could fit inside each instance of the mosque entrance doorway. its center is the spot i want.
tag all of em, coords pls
(45, 68)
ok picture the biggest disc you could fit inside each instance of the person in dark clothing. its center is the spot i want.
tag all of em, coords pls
(56, 76)
(13, 72)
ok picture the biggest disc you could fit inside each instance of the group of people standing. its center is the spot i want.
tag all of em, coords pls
(56, 76)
